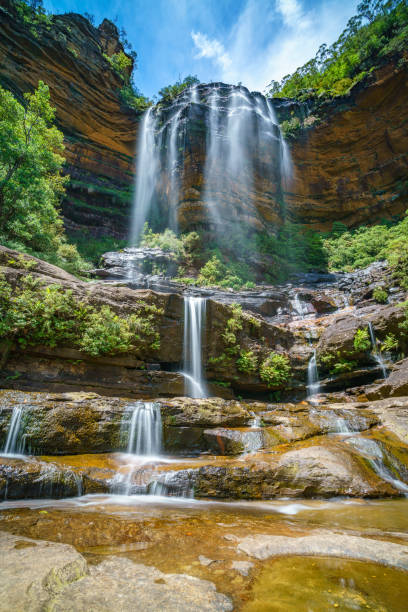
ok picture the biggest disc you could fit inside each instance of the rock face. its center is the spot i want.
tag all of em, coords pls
(396, 385)
(349, 166)
(99, 131)
(38, 575)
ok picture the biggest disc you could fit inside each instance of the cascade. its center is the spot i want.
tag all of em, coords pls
(313, 385)
(243, 139)
(145, 429)
(298, 306)
(146, 173)
(194, 322)
(376, 354)
(15, 440)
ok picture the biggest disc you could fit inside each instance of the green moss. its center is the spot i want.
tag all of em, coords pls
(380, 295)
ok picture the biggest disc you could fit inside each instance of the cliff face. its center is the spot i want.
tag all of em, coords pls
(99, 132)
(352, 164)
(350, 161)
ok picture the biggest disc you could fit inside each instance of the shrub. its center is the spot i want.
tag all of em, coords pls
(275, 369)
(121, 63)
(247, 362)
(343, 365)
(390, 343)
(362, 340)
(31, 314)
(380, 295)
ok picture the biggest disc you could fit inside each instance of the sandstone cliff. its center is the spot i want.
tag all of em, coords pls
(99, 131)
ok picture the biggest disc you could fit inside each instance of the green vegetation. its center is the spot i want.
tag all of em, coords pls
(170, 92)
(91, 248)
(121, 63)
(247, 362)
(380, 28)
(390, 343)
(362, 340)
(275, 369)
(32, 314)
(31, 183)
(33, 15)
(380, 295)
(350, 250)
(336, 363)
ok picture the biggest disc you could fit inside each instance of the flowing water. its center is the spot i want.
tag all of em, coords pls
(376, 353)
(194, 323)
(15, 442)
(243, 140)
(313, 384)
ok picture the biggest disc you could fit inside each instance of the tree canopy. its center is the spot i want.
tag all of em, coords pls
(379, 28)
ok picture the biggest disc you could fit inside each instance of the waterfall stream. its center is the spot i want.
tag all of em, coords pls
(194, 322)
(145, 430)
(242, 140)
(375, 352)
(14, 444)
(313, 384)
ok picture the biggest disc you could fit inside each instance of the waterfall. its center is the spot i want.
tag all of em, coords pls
(313, 385)
(144, 429)
(194, 322)
(15, 440)
(376, 354)
(242, 139)
(298, 306)
(148, 158)
(171, 164)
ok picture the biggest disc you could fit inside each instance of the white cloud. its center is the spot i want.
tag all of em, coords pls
(212, 49)
(259, 48)
(290, 10)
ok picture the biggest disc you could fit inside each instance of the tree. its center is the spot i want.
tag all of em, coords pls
(169, 92)
(31, 183)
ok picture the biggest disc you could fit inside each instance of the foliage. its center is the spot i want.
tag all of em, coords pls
(121, 63)
(290, 127)
(335, 363)
(380, 295)
(390, 343)
(275, 369)
(247, 362)
(216, 273)
(170, 92)
(358, 248)
(33, 15)
(31, 183)
(131, 97)
(379, 28)
(91, 248)
(32, 314)
(361, 340)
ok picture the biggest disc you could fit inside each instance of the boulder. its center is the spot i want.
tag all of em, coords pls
(38, 575)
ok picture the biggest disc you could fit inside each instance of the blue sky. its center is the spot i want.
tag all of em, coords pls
(252, 41)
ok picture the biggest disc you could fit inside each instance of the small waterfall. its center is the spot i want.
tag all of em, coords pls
(194, 322)
(298, 306)
(15, 440)
(313, 384)
(378, 459)
(376, 354)
(145, 430)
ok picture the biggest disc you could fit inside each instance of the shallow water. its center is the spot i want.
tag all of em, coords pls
(172, 533)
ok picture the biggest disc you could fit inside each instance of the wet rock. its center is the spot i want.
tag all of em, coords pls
(396, 385)
(328, 544)
(33, 572)
(225, 441)
(393, 414)
(242, 567)
(40, 575)
(320, 470)
(211, 412)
